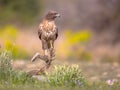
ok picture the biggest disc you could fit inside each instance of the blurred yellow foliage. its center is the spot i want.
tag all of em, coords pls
(17, 51)
(9, 35)
(74, 44)
(9, 32)
(77, 37)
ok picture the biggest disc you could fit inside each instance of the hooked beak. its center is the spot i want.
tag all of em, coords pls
(57, 15)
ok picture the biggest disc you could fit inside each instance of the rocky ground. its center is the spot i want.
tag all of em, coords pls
(95, 71)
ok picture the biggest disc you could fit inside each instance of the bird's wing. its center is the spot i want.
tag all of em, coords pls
(56, 32)
(40, 31)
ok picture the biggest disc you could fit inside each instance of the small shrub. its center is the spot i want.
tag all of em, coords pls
(10, 76)
(20, 78)
(5, 65)
(66, 76)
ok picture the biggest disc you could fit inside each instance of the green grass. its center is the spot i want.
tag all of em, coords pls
(66, 76)
(62, 78)
(9, 76)
(93, 86)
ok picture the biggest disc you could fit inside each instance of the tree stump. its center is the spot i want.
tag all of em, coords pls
(47, 60)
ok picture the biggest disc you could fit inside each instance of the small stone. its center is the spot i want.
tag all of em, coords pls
(105, 73)
(111, 82)
(40, 78)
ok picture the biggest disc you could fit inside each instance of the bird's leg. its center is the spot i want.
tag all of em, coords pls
(52, 52)
(51, 44)
(46, 52)
(45, 47)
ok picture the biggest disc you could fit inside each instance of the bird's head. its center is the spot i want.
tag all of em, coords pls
(51, 15)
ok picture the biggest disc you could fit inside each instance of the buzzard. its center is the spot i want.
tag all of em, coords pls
(48, 31)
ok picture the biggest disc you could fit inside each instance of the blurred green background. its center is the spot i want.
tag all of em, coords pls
(90, 28)
(24, 11)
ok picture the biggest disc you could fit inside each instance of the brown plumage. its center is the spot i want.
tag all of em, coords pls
(48, 31)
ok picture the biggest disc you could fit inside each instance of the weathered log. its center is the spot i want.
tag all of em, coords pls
(42, 57)
(47, 60)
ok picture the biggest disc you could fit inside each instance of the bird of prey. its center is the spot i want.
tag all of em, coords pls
(48, 31)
